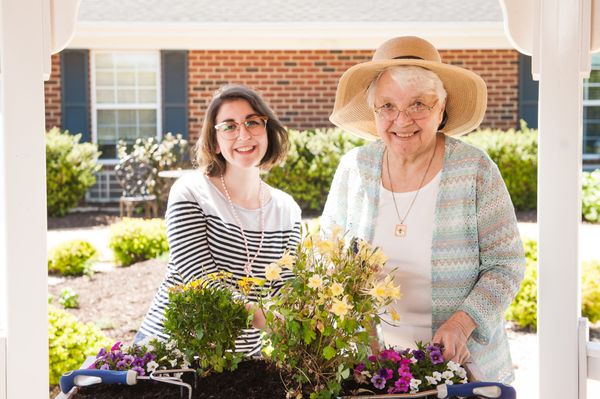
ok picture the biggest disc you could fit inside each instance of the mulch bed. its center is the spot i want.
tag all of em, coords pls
(82, 220)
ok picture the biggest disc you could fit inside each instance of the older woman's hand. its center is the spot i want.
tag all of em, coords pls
(453, 334)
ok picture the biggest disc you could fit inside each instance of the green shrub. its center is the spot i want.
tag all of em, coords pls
(590, 193)
(515, 153)
(204, 321)
(590, 291)
(310, 165)
(523, 310)
(70, 170)
(72, 258)
(135, 240)
(70, 342)
(69, 299)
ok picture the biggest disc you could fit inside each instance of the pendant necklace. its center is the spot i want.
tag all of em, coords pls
(249, 260)
(401, 228)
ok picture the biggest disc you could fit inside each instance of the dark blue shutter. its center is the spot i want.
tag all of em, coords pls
(528, 93)
(75, 104)
(174, 92)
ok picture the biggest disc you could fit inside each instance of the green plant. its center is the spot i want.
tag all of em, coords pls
(204, 319)
(170, 153)
(590, 193)
(590, 290)
(70, 342)
(69, 299)
(72, 258)
(134, 240)
(70, 170)
(310, 165)
(515, 153)
(523, 310)
(319, 323)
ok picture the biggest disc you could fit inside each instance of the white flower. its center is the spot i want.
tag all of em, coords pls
(448, 382)
(170, 345)
(437, 375)
(151, 366)
(315, 281)
(273, 272)
(464, 381)
(431, 380)
(461, 373)
(173, 362)
(447, 375)
(452, 366)
(414, 384)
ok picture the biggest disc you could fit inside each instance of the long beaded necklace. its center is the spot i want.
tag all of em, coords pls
(250, 261)
(401, 228)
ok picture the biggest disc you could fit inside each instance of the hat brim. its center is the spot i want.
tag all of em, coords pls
(465, 105)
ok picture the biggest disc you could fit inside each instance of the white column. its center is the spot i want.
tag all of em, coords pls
(559, 176)
(23, 269)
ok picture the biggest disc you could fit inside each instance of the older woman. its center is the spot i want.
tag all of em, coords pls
(437, 206)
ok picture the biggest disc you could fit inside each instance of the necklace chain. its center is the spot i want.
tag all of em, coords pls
(400, 229)
(250, 261)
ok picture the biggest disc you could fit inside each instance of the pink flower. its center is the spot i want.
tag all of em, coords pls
(117, 346)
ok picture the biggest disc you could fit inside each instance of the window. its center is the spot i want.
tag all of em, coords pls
(591, 112)
(125, 98)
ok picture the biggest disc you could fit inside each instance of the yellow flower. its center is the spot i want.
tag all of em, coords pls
(273, 272)
(307, 243)
(379, 292)
(286, 260)
(378, 258)
(336, 289)
(246, 284)
(324, 247)
(394, 314)
(218, 276)
(392, 290)
(315, 282)
(335, 231)
(340, 307)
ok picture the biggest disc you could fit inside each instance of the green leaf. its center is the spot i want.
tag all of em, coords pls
(329, 353)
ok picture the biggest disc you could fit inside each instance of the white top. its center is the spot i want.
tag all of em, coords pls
(409, 261)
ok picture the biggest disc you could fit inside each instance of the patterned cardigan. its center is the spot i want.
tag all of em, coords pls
(477, 257)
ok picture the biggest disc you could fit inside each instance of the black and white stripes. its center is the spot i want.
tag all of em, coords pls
(204, 238)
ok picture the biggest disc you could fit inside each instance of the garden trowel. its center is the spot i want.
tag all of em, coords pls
(487, 390)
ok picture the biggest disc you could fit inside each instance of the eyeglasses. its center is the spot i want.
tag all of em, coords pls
(416, 111)
(230, 130)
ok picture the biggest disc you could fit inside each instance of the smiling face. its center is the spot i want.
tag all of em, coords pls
(247, 150)
(404, 136)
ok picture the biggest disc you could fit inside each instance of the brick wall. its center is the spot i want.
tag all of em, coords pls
(52, 89)
(500, 71)
(300, 85)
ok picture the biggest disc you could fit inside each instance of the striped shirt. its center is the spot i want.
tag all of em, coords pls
(204, 238)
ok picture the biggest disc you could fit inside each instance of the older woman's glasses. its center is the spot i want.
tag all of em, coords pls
(416, 111)
(230, 130)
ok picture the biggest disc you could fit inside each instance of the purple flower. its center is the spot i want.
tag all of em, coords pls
(117, 346)
(101, 353)
(139, 370)
(360, 367)
(105, 366)
(139, 362)
(378, 381)
(436, 357)
(386, 373)
(390, 354)
(121, 365)
(148, 357)
(128, 359)
(418, 354)
(372, 358)
(401, 385)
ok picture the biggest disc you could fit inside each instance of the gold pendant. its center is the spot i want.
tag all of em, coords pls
(400, 230)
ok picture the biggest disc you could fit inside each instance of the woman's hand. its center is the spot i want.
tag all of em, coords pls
(453, 335)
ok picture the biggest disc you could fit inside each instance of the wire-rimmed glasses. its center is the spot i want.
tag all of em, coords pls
(415, 111)
(230, 129)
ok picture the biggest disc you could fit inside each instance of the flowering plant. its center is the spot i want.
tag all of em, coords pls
(143, 359)
(408, 371)
(318, 324)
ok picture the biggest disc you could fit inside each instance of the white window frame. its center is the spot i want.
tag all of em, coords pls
(95, 106)
(590, 103)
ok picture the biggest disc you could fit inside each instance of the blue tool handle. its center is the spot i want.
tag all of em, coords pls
(84, 377)
(494, 390)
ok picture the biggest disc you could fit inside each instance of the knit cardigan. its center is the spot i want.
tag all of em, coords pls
(477, 257)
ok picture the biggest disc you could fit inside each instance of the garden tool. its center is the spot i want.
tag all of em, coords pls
(487, 390)
(85, 377)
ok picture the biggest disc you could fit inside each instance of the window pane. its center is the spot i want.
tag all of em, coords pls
(106, 135)
(126, 78)
(593, 93)
(128, 133)
(147, 131)
(591, 130)
(147, 117)
(109, 151)
(146, 78)
(147, 96)
(591, 112)
(105, 96)
(127, 117)
(126, 96)
(104, 78)
(106, 117)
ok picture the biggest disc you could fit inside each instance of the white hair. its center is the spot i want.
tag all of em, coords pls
(409, 75)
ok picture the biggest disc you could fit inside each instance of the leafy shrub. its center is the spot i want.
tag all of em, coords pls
(72, 258)
(590, 192)
(69, 299)
(134, 240)
(515, 153)
(170, 153)
(70, 170)
(310, 165)
(70, 342)
(523, 310)
(204, 319)
(590, 291)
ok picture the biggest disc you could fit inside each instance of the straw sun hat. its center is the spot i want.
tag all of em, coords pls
(467, 93)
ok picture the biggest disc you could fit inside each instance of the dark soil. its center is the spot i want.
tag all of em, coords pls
(253, 379)
(83, 219)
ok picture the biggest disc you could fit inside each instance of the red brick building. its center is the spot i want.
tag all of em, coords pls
(141, 69)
